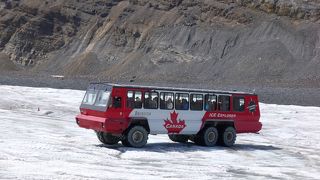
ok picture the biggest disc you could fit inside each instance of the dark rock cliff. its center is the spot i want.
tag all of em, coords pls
(272, 42)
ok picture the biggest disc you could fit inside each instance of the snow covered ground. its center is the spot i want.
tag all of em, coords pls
(47, 144)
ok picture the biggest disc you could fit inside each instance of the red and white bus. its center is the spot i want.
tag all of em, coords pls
(129, 113)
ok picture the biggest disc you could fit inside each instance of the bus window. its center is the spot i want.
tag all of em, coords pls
(182, 101)
(224, 103)
(117, 102)
(238, 104)
(151, 100)
(130, 99)
(138, 99)
(134, 99)
(102, 98)
(166, 100)
(196, 102)
(252, 106)
(90, 97)
(210, 102)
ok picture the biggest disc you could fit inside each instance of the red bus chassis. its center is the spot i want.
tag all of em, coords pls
(129, 113)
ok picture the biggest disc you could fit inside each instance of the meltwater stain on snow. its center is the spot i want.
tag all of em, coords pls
(48, 144)
(252, 147)
(47, 112)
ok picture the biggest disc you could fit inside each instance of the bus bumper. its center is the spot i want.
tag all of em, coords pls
(248, 127)
(91, 122)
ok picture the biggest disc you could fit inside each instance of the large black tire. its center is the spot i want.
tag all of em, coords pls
(207, 137)
(210, 136)
(107, 138)
(228, 137)
(125, 142)
(178, 138)
(137, 137)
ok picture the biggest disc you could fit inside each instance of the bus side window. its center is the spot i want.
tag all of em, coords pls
(130, 99)
(182, 101)
(138, 99)
(151, 100)
(116, 102)
(238, 104)
(210, 102)
(252, 106)
(166, 100)
(196, 102)
(224, 103)
(134, 99)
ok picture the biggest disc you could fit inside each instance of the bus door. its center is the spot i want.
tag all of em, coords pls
(116, 108)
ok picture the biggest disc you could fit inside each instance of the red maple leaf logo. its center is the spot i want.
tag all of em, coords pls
(174, 126)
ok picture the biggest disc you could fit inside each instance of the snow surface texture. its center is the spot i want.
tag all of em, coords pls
(48, 144)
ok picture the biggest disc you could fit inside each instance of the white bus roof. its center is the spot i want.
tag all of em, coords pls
(173, 88)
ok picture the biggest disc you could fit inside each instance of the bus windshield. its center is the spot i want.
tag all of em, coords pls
(96, 98)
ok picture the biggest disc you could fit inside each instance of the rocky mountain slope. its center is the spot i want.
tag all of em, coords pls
(266, 42)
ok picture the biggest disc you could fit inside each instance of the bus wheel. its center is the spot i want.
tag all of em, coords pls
(137, 137)
(178, 138)
(210, 136)
(107, 138)
(125, 143)
(207, 137)
(228, 138)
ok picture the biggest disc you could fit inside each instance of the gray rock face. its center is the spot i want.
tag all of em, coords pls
(297, 9)
(271, 42)
(32, 30)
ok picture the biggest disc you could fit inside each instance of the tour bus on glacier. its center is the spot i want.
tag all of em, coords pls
(129, 113)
